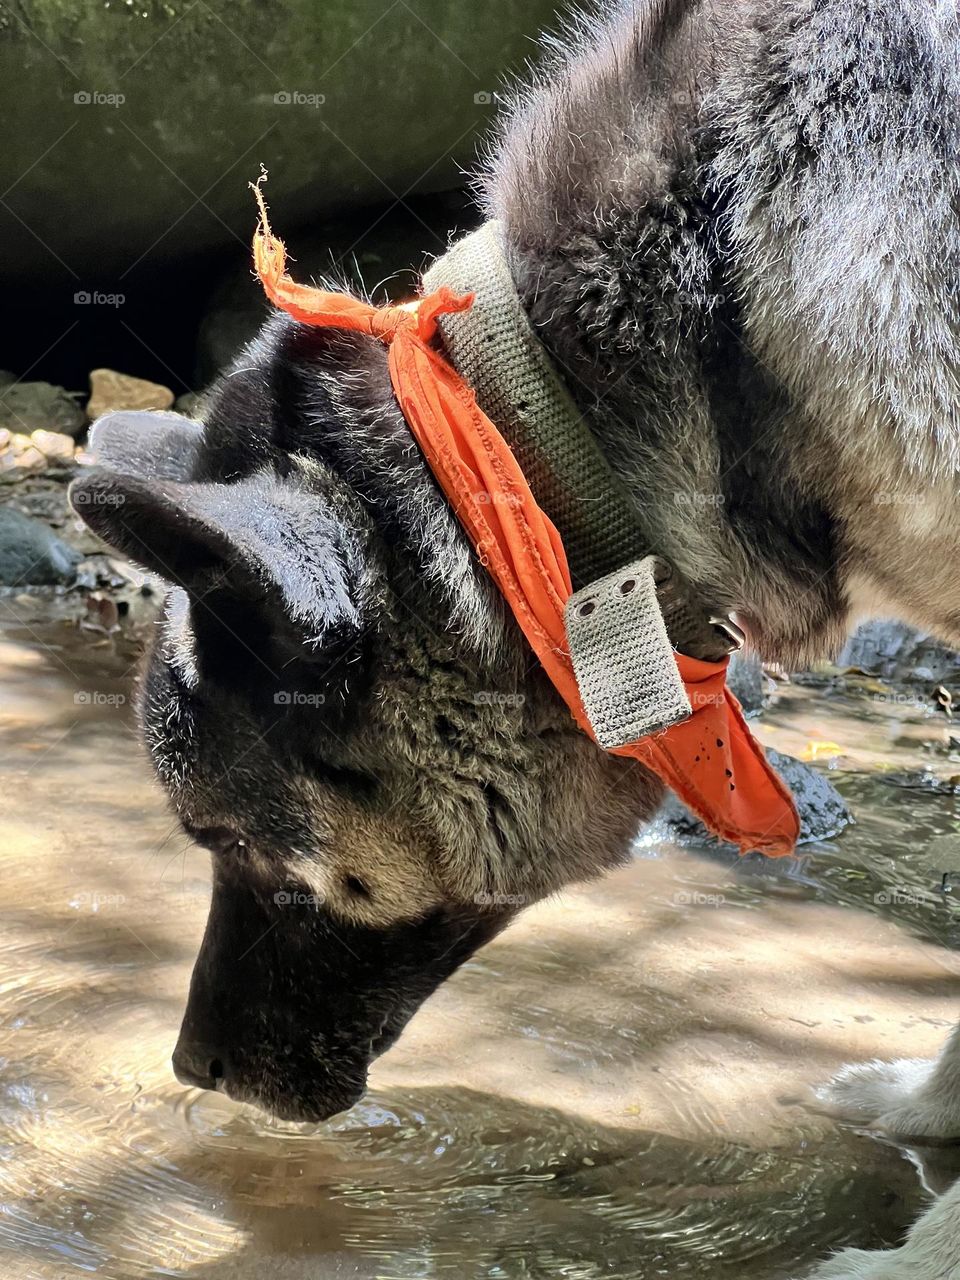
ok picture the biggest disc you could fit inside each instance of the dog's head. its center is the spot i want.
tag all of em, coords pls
(381, 786)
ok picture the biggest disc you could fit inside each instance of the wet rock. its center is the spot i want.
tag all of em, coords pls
(746, 680)
(899, 652)
(823, 812)
(30, 459)
(87, 576)
(20, 456)
(35, 451)
(39, 406)
(112, 390)
(31, 554)
(923, 780)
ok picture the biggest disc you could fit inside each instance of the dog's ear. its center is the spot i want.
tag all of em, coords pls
(150, 444)
(261, 549)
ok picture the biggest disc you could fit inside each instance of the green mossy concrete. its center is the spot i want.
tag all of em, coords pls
(99, 187)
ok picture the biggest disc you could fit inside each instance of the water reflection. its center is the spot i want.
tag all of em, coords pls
(617, 1087)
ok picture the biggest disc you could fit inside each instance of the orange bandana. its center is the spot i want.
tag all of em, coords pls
(711, 760)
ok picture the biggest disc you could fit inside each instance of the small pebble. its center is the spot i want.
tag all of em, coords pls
(29, 459)
(54, 445)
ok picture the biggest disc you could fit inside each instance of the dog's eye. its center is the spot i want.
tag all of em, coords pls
(356, 887)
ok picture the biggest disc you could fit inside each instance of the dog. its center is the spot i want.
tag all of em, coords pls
(735, 227)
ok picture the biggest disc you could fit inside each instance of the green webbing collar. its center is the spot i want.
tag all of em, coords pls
(496, 349)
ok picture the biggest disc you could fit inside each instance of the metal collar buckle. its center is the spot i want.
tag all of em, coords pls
(736, 638)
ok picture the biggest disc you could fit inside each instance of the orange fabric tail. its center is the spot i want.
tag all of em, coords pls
(710, 760)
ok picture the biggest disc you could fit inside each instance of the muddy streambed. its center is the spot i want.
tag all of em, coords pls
(617, 1087)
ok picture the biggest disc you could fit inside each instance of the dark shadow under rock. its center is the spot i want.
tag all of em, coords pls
(823, 812)
(897, 651)
(746, 680)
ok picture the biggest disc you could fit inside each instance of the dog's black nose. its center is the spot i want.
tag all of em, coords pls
(199, 1065)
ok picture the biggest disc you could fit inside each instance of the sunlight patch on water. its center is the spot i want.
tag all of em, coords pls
(618, 1086)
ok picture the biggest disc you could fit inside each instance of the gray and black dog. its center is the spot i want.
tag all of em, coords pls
(735, 225)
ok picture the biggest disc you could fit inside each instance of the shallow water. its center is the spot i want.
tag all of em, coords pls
(617, 1087)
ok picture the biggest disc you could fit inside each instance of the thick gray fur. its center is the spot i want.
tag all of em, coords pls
(735, 227)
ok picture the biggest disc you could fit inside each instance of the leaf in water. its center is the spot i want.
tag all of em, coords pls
(821, 750)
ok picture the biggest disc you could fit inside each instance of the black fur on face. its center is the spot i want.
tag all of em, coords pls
(734, 227)
(288, 1004)
(339, 709)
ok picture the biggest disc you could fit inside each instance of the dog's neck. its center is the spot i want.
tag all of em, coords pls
(616, 219)
(707, 446)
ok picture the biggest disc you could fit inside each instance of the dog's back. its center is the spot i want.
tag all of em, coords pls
(736, 227)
